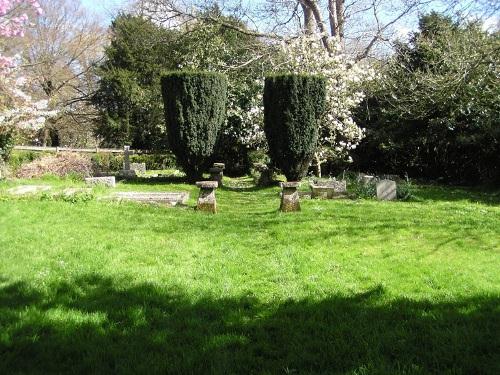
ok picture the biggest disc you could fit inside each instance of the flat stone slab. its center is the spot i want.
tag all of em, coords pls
(29, 189)
(108, 181)
(171, 199)
(386, 190)
(219, 165)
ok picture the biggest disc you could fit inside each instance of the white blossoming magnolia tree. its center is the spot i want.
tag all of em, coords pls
(18, 110)
(339, 133)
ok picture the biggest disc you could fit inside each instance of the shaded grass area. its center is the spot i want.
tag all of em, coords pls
(95, 324)
(354, 287)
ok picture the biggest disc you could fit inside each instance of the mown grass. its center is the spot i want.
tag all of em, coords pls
(351, 286)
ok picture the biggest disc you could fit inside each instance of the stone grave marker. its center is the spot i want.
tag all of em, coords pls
(290, 200)
(164, 198)
(108, 181)
(386, 190)
(127, 172)
(328, 189)
(206, 199)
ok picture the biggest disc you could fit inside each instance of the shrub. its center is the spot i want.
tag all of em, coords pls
(434, 113)
(62, 164)
(293, 106)
(18, 158)
(6, 143)
(195, 106)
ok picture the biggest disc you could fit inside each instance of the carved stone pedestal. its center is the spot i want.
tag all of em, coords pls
(290, 197)
(206, 199)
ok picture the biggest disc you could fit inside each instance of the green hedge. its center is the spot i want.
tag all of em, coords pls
(101, 162)
(195, 109)
(293, 107)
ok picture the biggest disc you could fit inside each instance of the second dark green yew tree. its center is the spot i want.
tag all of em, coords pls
(293, 107)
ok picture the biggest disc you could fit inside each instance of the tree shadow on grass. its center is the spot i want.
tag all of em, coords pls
(95, 325)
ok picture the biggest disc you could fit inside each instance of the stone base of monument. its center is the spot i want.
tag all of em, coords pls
(386, 190)
(108, 181)
(290, 199)
(206, 199)
(162, 198)
(328, 189)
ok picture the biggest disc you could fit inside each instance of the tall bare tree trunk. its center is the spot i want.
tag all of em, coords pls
(309, 23)
(340, 18)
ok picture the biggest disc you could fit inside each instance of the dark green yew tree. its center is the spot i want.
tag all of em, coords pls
(195, 110)
(293, 107)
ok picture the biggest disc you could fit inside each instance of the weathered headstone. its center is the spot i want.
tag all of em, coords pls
(290, 200)
(206, 199)
(216, 175)
(108, 181)
(264, 174)
(165, 198)
(28, 189)
(138, 167)
(328, 189)
(386, 190)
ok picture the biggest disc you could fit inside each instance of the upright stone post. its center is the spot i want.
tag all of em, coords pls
(206, 199)
(290, 197)
(126, 158)
(216, 175)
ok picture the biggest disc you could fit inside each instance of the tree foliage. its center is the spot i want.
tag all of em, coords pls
(436, 112)
(195, 109)
(129, 95)
(293, 107)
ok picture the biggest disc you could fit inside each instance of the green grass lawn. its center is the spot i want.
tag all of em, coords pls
(351, 286)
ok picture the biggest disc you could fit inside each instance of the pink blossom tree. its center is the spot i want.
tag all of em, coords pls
(13, 20)
(18, 110)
